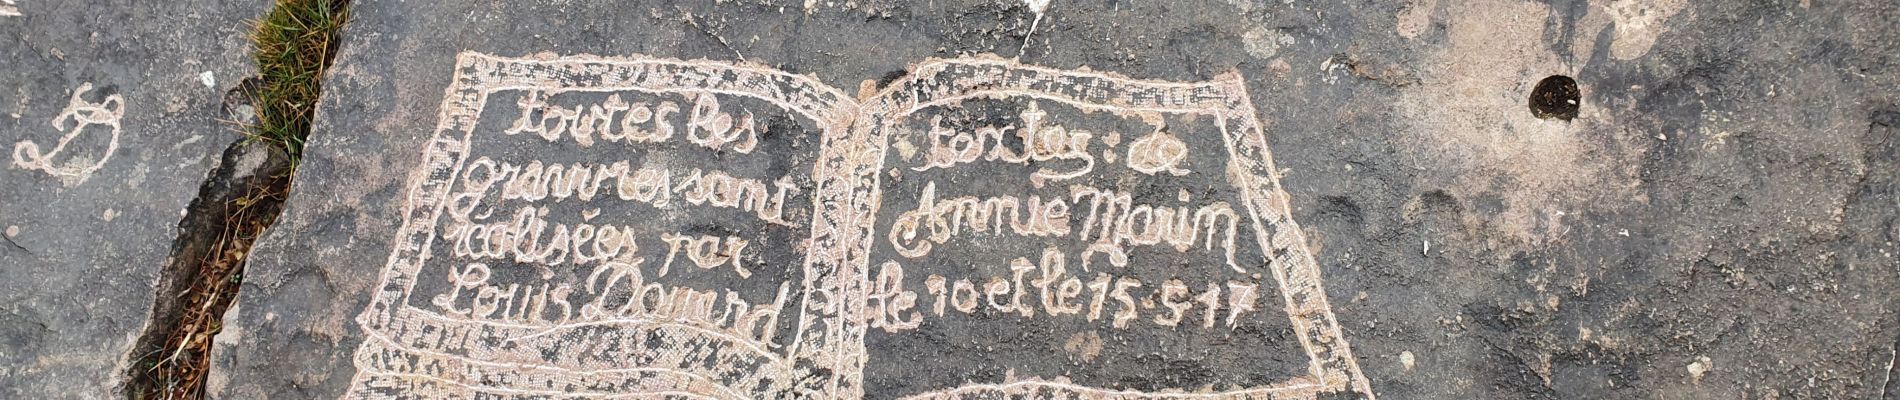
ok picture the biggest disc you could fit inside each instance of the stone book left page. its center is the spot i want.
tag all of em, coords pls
(667, 251)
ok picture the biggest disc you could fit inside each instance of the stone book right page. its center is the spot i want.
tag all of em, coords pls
(1060, 234)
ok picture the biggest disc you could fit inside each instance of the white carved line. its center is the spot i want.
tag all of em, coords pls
(538, 393)
(81, 114)
(542, 375)
(1298, 388)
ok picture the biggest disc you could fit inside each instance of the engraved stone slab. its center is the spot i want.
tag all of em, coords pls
(1032, 199)
(683, 243)
(601, 225)
(114, 114)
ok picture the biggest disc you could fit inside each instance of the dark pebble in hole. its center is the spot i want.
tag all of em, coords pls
(1556, 97)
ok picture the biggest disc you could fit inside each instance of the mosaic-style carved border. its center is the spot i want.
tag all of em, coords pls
(1332, 366)
(411, 350)
(418, 352)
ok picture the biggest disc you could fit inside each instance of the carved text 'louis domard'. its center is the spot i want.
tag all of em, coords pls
(597, 227)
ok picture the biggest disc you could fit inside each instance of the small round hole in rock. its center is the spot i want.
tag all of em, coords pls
(1556, 97)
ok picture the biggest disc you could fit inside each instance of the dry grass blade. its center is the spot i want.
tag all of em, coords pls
(181, 372)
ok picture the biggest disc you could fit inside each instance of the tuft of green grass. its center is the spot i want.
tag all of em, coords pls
(294, 44)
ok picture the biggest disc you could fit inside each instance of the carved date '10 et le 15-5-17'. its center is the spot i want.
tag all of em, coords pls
(686, 245)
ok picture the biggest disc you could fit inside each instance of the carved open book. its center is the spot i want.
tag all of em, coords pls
(586, 227)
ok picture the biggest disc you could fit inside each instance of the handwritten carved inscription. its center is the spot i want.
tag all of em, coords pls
(1029, 212)
(79, 115)
(601, 227)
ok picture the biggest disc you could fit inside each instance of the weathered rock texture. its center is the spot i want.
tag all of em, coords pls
(113, 116)
(1717, 220)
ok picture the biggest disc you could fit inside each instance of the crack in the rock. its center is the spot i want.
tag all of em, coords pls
(222, 219)
(16, 244)
(238, 201)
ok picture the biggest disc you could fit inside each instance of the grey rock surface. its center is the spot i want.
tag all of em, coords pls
(113, 117)
(1715, 218)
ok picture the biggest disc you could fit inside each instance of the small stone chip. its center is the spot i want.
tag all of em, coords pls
(1698, 368)
(1406, 359)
